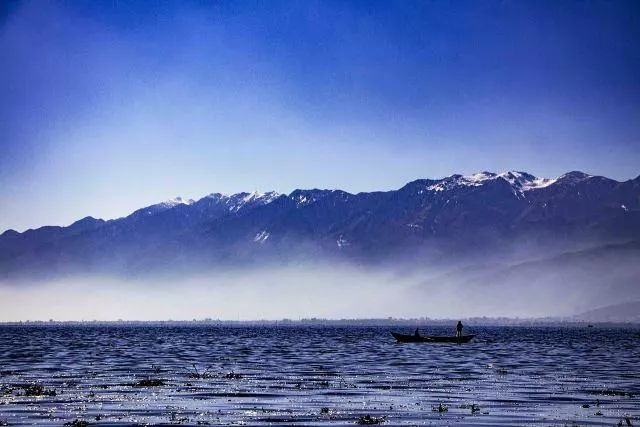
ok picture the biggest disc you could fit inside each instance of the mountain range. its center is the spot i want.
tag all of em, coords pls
(625, 312)
(427, 221)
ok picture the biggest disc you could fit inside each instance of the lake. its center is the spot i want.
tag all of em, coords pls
(316, 375)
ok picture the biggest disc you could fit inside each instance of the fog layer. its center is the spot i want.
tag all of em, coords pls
(558, 286)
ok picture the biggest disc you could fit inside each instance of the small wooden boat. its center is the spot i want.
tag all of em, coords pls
(431, 338)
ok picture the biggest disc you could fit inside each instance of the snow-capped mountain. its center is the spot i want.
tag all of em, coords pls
(236, 202)
(161, 207)
(454, 216)
(520, 181)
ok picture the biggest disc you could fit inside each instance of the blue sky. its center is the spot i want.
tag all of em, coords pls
(109, 106)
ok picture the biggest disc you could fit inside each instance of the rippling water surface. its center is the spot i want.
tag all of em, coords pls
(123, 375)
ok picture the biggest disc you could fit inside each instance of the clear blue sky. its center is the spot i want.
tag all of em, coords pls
(107, 106)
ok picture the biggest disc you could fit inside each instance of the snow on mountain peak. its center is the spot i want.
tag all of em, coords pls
(520, 181)
(217, 196)
(453, 181)
(179, 201)
(307, 197)
(478, 177)
(237, 201)
(523, 181)
(163, 206)
(264, 198)
(262, 236)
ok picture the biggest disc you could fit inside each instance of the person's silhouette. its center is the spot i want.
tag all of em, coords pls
(459, 329)
(416, 333)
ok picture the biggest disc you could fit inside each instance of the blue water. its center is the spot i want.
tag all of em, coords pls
(306, 375)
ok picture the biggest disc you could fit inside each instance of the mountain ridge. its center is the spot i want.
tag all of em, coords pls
(569, 177)
(453, 216)
(614, 313)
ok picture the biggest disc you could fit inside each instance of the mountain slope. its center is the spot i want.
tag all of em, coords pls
(625, 312)
(484, 215)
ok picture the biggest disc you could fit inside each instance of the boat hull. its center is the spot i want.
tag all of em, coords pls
(431, 338)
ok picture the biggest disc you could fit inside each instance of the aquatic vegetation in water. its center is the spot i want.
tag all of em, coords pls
(440, 408)
(77, 423)
(195, 374)
(207, 374)
(474, 407)
(150, 382)
(369, 420)
(32, 390)
(627, 422)
(176, 418)
(610, 392)
(233, 376)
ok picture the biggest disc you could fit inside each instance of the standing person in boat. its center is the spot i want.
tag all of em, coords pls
(416, 333)
(459, 329)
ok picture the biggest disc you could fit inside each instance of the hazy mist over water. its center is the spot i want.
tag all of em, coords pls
(330, 290)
